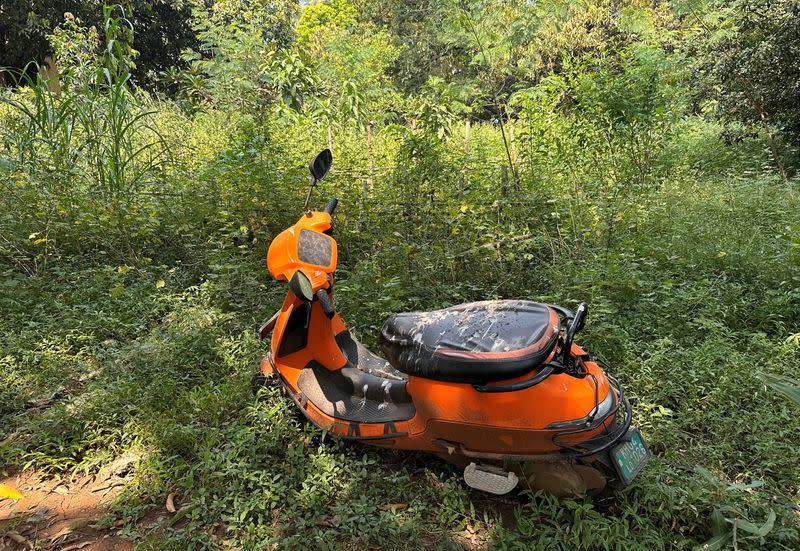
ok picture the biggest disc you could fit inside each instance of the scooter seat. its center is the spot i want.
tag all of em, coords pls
(479, 342)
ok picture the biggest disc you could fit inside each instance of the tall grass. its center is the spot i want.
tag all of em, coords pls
(81, 151)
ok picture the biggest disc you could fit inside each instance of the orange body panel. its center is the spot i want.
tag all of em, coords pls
(283, 259)
(496, 423)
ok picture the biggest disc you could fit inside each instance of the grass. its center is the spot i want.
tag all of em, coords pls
(100, 359)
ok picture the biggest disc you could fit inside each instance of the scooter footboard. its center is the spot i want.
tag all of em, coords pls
(350, 394)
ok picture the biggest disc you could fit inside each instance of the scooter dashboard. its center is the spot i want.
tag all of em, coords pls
(304, 247)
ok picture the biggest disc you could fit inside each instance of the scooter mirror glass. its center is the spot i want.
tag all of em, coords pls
(321, 164)
(301, 286)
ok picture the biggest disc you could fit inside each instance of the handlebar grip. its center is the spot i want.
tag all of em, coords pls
(580, 316)
(325, 302)
(577, 324)
(331, 206)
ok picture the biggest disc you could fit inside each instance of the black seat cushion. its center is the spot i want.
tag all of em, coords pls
(477, 342)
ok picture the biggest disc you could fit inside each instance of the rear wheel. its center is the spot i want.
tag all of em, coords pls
(560, 478)
(258, 381)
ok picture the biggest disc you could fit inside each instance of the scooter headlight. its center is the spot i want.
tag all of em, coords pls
(605, 407)
(595, 416)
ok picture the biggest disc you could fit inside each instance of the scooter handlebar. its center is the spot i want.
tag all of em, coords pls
(325, 302)
(331, 206)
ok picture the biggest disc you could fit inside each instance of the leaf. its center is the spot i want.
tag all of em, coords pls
(65, 532)
(766, 528)
(181, 513)
(718, 525)
(783, 385)
(705, 473)
(122, 269)
(7, 492)
(160, 283)
(16, 537)
(117, 291)
(759, 531)
(170, 505)
(714, 544)
(746, 525)
(79, 545)
(743, 486)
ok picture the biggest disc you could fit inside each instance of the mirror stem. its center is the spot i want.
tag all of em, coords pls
(308, 195)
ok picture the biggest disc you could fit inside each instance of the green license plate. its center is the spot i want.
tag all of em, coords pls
(630, 456)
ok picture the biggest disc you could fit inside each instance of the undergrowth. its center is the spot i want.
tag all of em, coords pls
(133, 231)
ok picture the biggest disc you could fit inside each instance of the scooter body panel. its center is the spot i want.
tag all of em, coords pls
(509, 423)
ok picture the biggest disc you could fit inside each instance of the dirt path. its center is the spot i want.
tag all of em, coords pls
(56, 515)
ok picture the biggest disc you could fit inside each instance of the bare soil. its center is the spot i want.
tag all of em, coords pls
(60, 515)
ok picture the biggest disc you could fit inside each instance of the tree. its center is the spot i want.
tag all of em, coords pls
(337, 13)
(162, 30)
(352, 59)
(244, 60)
(750, 64)
(415, 27)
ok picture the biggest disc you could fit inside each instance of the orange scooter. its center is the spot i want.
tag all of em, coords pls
(497, 387)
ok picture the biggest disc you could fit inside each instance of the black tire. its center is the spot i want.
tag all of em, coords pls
(258, 381)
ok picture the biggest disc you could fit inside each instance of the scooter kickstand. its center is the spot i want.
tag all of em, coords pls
(490, 479)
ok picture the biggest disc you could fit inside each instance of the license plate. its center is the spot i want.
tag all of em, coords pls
(630, 457)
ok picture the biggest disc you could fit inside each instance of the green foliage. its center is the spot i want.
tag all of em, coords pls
(75, 48)
(749, 58)
(25, 27)
(97, 138)
(241, 48)
(438, 108)
(320, 16)
(133, 229)
(353, 63)
(783, 385)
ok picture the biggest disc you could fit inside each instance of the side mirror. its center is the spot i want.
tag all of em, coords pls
(301, 286)
(321, 164)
